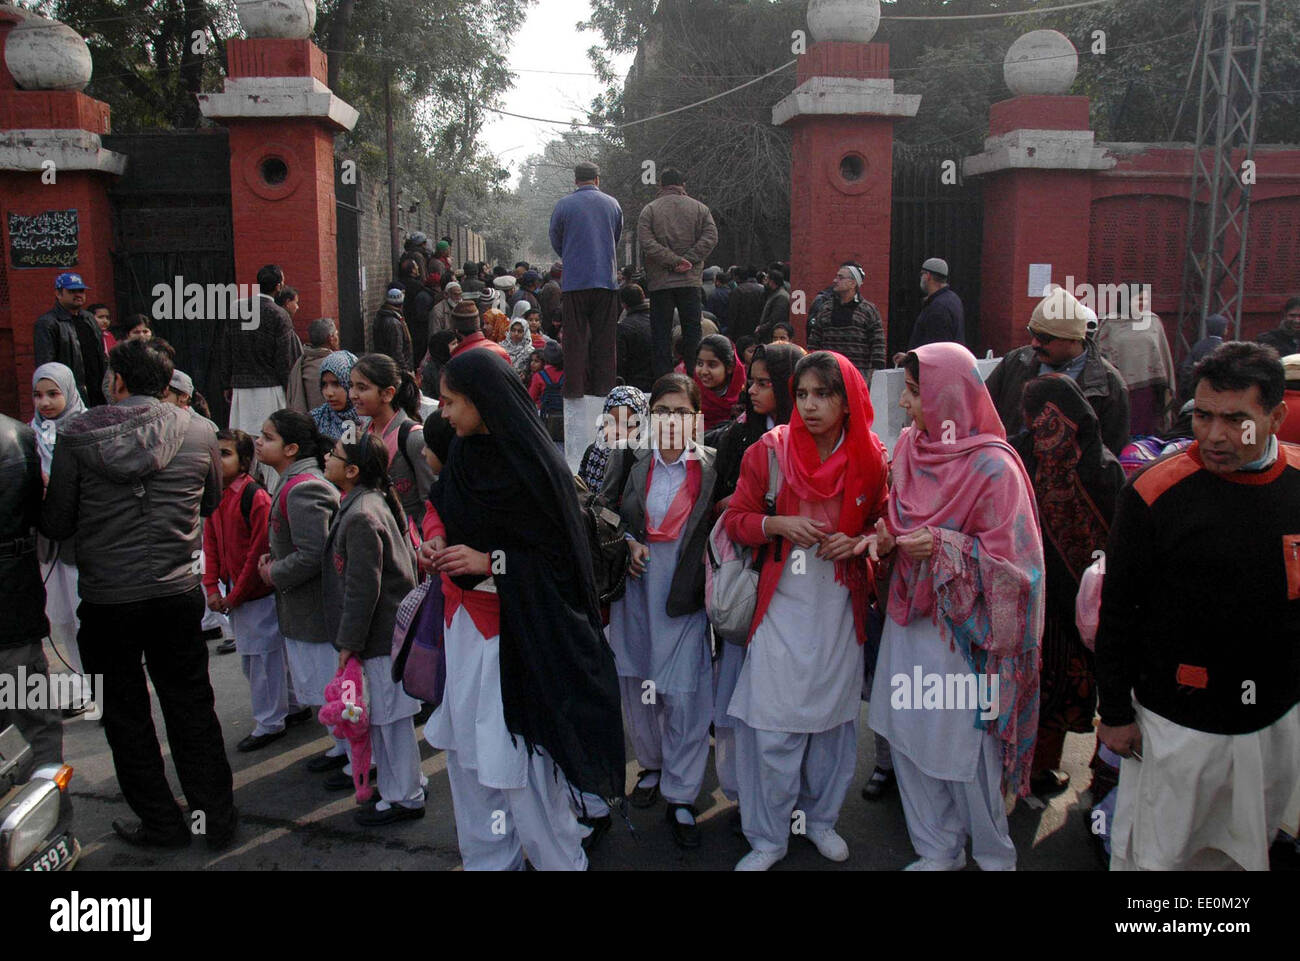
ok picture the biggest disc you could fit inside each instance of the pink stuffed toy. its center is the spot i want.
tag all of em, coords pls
(344, 712)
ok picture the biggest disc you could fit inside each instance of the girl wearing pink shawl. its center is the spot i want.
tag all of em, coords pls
(956, 686)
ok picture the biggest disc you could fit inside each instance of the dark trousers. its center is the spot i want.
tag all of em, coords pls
(590, 340)
(41, 727)
(162, 634)
(686, 300)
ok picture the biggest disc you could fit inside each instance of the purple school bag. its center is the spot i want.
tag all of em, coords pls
(419, 656)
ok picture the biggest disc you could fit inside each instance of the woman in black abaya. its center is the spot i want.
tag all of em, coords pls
(531, 685)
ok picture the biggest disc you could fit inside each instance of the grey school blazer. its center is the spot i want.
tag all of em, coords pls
(368, 568)
(686, 595)
(297, 547)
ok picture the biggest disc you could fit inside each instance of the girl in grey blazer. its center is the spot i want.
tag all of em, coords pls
(301, 509)
(367, 569)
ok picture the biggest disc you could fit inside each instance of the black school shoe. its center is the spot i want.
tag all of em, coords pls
(1047, 783)
(142, 837)
(300, 716)
(644, 797)
(325, 762)
(685, 835)
(255, 742)
(226, 647)
(599, 828)
(879, 784)
(342, 781)
(370, 817)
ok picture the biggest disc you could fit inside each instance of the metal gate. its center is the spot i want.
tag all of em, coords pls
(172, 216)
(932, 219)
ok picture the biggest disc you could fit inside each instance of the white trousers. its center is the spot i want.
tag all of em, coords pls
(249, 409)
(394, 751)
(1204, 802)
(724, 761)
(496, 827)
(779, 773)
(671, 735)
(941, 814)
(267, 690)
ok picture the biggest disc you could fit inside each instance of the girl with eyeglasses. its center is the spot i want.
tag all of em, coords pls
(658, 629)
(367, 569)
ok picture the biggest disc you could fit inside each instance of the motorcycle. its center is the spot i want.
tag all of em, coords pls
(35, 815)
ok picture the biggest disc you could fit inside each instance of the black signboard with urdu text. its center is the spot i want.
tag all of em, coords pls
(47, 239)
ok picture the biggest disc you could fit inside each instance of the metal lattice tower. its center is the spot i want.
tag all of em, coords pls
(1214, 268)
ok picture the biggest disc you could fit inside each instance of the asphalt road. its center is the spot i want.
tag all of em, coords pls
(289, 822)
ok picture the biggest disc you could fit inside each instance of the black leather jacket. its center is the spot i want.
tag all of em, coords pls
(22, 593)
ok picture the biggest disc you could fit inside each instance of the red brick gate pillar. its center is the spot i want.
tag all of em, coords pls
(1037, 164)
(842, 117)
(282, 120)
(54, 208)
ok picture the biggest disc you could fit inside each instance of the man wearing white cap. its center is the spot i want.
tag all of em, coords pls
(180, 390)
(849, 324)
(1059, 344)
(942, 317)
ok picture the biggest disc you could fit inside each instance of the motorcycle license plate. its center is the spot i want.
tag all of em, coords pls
(54, 857)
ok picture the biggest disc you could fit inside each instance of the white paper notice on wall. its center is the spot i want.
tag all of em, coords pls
(1040, 275)
(363, 276)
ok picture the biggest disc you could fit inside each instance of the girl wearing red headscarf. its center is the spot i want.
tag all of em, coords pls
(721, 379)
(956, 687)
(796, 701)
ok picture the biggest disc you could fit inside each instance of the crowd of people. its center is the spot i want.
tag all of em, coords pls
(1070, 546)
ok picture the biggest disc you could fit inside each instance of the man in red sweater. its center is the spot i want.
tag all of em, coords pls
(1198, 648)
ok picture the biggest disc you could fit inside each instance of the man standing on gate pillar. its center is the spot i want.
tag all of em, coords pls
(585, 228)
(676, 233)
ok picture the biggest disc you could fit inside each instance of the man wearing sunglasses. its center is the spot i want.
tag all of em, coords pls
(1059, 344)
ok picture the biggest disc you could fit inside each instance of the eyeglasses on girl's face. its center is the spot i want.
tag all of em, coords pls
(338, 457)
(668, 411)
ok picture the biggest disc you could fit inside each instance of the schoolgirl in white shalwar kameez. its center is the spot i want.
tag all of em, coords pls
(58, 559)
(663, 660)
(529, 716)
(972, 609)
(796, 702)
(302, 507)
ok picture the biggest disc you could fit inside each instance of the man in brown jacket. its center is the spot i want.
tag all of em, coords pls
(675, 233)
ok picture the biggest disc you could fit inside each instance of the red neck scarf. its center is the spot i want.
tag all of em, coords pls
(717, 407)
(670, 528)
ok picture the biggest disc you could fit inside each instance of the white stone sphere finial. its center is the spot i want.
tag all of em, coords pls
(1040, 62)
(291, 19)
(45, 54)
(852, 20)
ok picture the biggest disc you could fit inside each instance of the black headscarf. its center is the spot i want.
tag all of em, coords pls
(510, 490)
(734, 438)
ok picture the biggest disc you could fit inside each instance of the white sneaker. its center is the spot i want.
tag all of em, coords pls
(937, 864)
(758, 861)
(830, 845)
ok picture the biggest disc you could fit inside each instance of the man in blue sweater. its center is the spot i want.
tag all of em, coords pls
(585, 227)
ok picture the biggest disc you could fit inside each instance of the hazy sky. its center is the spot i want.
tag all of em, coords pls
(553, 79)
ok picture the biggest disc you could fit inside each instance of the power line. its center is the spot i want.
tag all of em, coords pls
(1010, 13)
